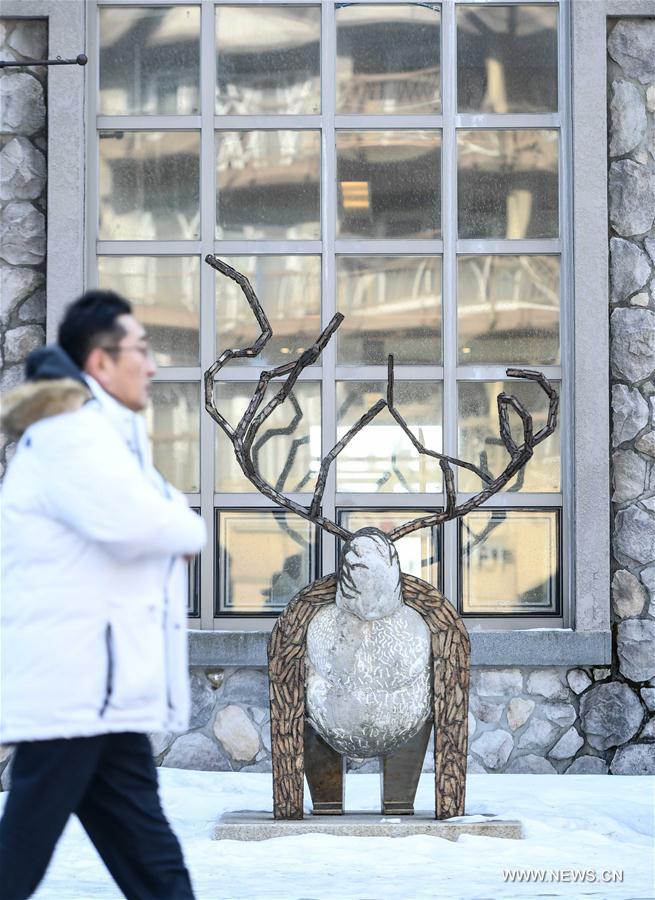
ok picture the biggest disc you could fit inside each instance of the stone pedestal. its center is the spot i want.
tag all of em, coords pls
(261, 826)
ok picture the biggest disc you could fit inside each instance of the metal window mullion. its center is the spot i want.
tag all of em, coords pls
(253, 500)
(207, 313)
(267, 123)
(378, 122)
(535, 246)
(497, 373)
(273, 248)
(148, 248)
(178, 373)
(508, 120)
(251, 374)
(149, 123)
(328, 268)
(362, 247)
(379, 373)
(449, 270)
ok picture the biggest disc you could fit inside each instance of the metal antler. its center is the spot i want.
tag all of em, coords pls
(243, 436)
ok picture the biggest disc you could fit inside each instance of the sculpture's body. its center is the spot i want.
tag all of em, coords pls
(368, 656)
(367, 664)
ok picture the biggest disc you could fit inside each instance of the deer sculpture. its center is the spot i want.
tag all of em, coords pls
(366, 662)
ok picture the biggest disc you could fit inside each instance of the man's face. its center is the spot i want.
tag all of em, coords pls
(125, 371)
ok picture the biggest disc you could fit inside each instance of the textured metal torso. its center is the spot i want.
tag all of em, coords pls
(367, 682)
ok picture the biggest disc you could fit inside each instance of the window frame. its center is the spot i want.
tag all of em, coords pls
(581, 67)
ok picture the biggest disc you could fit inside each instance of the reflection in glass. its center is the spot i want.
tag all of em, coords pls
(419, 552)
(287, 449)
(388, 59)
(149, 61)
(478, 431)
(165, 293)
(268, 60)
(507, 183)
(507, 59)
(149, 185)
(268, 184)
(381, 458)
(392, 304)
(508, 309)
(389, 184)
(289, 290)
(264, 559)
(173, 420)
(509, 561)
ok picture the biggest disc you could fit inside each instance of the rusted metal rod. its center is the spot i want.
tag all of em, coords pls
(80, 60)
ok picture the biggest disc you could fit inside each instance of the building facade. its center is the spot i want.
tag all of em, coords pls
(473, 185)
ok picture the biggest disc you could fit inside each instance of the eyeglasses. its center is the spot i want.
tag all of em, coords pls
(145, 351)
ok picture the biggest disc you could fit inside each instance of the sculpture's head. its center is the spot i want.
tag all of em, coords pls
(369, 575)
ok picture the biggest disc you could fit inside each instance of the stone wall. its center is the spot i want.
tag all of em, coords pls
(631, 117)
(23, 149)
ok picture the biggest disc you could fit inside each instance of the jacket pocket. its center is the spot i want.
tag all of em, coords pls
(109, 682)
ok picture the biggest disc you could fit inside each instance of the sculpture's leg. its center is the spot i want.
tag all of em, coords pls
(400, 772)
(451, 694)
(324, 768)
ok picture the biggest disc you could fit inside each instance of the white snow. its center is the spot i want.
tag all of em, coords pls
(576, 823)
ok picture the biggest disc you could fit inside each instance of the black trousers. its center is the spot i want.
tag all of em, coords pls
(110, 782)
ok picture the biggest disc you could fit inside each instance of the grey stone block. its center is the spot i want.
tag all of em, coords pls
(22, 105)
(587, 765)
(531, 764)
(648, 696)
(16, 284)
(637, 759)
(548, 683)
(22, 233)
(237, 733)
(636, 649)
(203, 698)
(629, 475)
(632, 198)
(22, 170)
(611, 714)
(629, 269)
(567, 746)
(627, 117)
(628, 594)
(499, 682)
(19, 342)
(30, 38)
(632, 351)
(196, 751)
(519, 711)
(634, 536)
(493, 748)
(561, 714)
(539, 735)
(630, 44)
(578, 680)
(629, 413)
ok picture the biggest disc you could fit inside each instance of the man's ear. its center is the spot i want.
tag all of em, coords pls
(98, 365)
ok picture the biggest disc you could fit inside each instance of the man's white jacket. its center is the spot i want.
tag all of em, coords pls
(93, 602)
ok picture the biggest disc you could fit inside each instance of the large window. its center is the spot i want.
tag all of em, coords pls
(403, 163)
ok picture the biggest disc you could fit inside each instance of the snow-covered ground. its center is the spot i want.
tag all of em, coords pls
(574, 825)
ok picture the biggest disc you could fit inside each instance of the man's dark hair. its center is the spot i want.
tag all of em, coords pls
(90, 322)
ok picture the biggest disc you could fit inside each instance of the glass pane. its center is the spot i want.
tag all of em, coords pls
(264, 559)
(268, 60)
(419, 552)
(149, 185)
(287, 450)
(389, 184)
(193, 570)
(173, 419)
(165, 293)
(479, 431)
(392, 304)
(508, 309)
(149, 61)
(268, 184)
(289, 290)
(507, 182)
(388, 59)
(381, 457)
(509, 561)
(507, 59)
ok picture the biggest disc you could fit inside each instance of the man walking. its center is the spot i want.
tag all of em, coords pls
(92, 616)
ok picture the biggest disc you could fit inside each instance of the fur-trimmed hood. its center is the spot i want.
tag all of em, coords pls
(53, 385)
(36, 400)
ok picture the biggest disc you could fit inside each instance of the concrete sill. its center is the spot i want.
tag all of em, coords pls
(539, 647)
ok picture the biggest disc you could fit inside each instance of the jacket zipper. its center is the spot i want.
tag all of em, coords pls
(109, 684)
